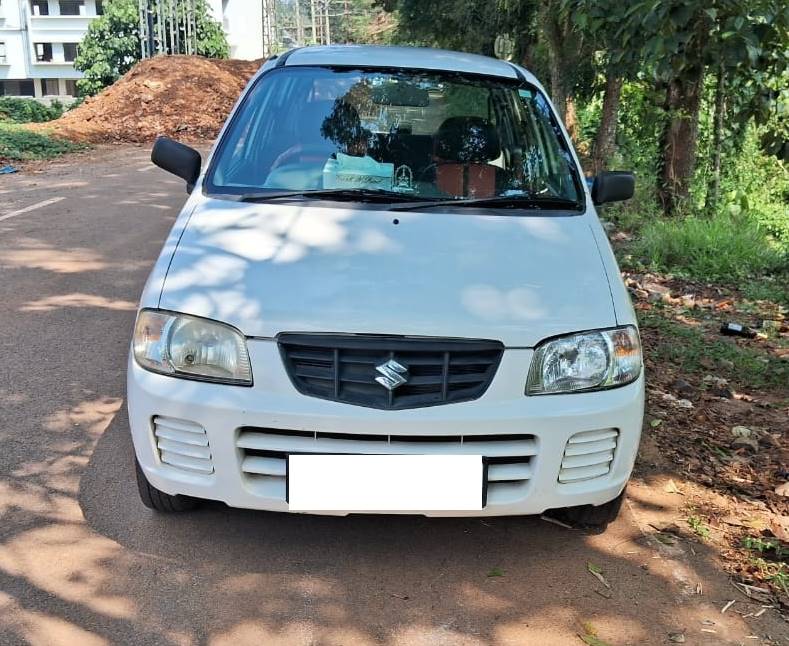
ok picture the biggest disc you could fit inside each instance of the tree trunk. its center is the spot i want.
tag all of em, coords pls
(553, 32)
(679, 140)
(714, 188)
(605, 140)
(571, 118)
(558, 93)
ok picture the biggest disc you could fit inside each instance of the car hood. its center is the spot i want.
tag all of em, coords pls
(271, 268)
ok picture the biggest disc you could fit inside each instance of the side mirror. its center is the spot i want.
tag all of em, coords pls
(175, 158)
(613, 186)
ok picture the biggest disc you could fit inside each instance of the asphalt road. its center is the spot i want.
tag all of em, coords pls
(83, 562)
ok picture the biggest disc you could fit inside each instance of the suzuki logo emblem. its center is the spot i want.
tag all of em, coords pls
(393, 374)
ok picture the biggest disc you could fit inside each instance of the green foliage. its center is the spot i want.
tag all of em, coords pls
(756, 185)
(766, 545)
(773, 560)
(20, 144)
(16, 110)
(211, 41)
(698, 526)
(112, 45)
(775, 573)
(467, 25)
(110, 48)
(689, 348)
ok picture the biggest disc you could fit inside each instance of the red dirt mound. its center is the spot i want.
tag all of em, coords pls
(185, 96)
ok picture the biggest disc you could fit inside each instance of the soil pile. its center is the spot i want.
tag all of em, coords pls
(188, 97)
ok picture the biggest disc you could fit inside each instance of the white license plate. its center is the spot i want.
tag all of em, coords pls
(385, 483)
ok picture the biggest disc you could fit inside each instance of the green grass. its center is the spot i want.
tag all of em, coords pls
(769, 288)
(686, 346)
(722, 249)
(20, 144)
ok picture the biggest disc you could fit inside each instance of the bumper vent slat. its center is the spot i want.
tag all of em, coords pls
(585, 448)
(344, 368)
(264, 466)
(183, 444)
(264, 453)
(191, 450)
(593, 436)
(516, 471)
(588, 455)
(185, 462)
(322, 444)
(182, 437)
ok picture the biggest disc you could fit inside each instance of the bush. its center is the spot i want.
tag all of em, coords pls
(721, 248)
(17, 110)
(20, 144)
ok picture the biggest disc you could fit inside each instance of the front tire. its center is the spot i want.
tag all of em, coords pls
(159, 501)
(595, 517)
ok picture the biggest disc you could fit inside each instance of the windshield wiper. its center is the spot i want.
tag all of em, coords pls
(537, 202)
(343, 194)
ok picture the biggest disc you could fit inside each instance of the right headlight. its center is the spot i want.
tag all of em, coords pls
(191, 348)
(585, 361)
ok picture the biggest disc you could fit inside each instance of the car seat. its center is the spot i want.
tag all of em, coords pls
(464, 146)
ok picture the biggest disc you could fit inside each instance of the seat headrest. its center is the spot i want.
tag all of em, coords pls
(467, 140)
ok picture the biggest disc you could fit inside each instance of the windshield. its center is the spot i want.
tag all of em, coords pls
(426, 135)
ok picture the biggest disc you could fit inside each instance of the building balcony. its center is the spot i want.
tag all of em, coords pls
(44, 27)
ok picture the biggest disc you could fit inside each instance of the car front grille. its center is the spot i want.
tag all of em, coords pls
(263, 454)
(344, 368)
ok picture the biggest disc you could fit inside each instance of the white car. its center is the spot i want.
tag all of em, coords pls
(388, 292)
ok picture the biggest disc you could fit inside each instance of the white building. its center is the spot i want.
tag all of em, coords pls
(242, 22)
(38, 41)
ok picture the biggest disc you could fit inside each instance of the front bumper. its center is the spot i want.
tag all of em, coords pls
(244, 428)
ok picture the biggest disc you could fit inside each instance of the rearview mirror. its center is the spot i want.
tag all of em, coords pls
(178, 159)
(400, 94)
(613, 186)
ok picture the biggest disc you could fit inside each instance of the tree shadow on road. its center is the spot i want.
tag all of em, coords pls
(264, 577)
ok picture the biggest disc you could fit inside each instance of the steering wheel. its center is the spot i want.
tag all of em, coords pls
(299, 150)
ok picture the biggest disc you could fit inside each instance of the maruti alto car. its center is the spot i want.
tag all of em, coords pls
(388, 292)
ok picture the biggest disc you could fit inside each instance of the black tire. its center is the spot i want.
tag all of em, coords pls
(158, 500)
(595, 517)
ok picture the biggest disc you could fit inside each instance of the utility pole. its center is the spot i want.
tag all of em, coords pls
(269, 27)
(299, 25)
(314, 28)
(346, 22)
(328, 30)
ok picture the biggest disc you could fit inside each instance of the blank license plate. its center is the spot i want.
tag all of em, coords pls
(384, 483)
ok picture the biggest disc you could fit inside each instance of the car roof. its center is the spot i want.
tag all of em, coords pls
(402, 57)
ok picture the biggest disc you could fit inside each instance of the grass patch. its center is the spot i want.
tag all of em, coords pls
(769, 288)
(687, 346)
(721, 249)
(19, 144)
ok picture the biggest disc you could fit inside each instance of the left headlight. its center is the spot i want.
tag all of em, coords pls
(190, 347)
(585, 361)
